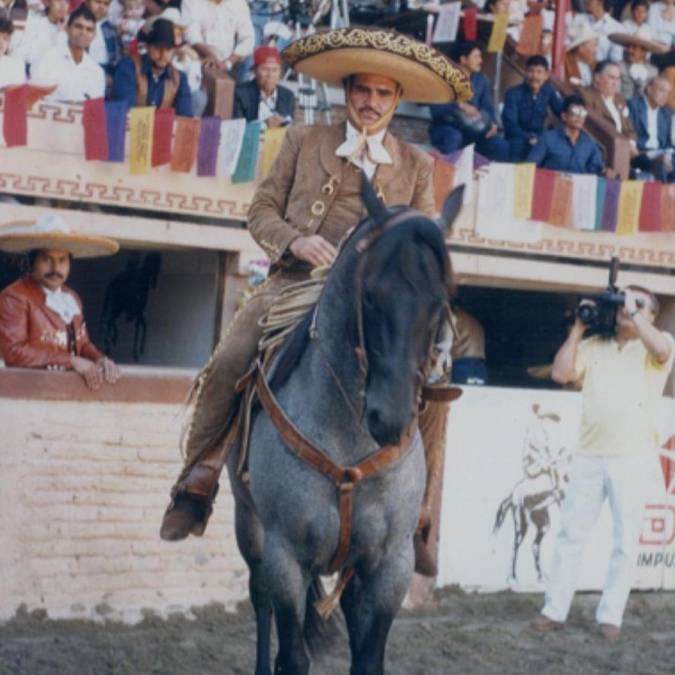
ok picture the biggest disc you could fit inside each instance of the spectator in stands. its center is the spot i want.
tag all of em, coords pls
(653, 122)
(581, 56)
(570, 148)
(263, 98)
(151, 79)
(635, 68)
(526, 107)
(604, 100)
(220, 31)
(661, 20)
(639, 10)
(131, 21)
(158, 7)
(14, 10)
(12, 68)
(546, 45)
(454, 125)
(43, 31)
(41, 321)
(106, 47)
(468, 349)
(76, 75)
(604, 24)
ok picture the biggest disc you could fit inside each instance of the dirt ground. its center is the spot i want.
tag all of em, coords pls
(461, 633)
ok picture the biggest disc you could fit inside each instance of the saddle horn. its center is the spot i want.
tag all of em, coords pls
(376, 208)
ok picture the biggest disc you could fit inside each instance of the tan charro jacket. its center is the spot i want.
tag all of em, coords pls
(597, 106)
(309, 190)
(34, 336)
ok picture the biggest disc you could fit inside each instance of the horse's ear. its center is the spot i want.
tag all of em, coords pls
(451, 208)
(376, 208)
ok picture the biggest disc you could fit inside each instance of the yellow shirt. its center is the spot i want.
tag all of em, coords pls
(621, 390)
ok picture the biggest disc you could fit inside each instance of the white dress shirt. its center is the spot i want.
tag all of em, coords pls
(97, 48)
(76, 82)
(605, 27)
(64, 304)
(662, 30)
(585, 73)
(40, 36)
(614, 112)
(373, 154)
(225, 26)
(652, 127)
(12, 71)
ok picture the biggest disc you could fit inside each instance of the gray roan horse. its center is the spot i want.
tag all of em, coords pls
(287, 518)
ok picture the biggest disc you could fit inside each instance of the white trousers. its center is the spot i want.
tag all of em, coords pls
(593, 479)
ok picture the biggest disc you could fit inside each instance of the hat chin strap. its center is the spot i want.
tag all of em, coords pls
(382, 123)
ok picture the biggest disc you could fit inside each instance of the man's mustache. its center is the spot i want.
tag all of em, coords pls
(372, 110)
(53, 275)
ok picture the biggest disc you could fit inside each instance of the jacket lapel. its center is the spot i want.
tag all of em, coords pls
(386, 173)
(334, 136)
(37, 296)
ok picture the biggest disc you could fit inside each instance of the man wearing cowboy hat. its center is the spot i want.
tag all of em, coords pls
(41, 322)
(263, 98)
(151, 80)
(301, 211)
(635, 69)
(581, 56)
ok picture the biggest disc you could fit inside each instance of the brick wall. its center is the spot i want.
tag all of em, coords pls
(83, 486)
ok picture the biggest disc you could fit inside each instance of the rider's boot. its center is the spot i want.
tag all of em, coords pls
(433, 424)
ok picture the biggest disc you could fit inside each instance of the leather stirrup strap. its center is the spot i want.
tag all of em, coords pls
(441, 394)
(345, 478)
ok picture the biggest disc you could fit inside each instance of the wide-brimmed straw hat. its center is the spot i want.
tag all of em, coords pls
(641, 38)
(50, 231)
(425, 75)
(584, 34)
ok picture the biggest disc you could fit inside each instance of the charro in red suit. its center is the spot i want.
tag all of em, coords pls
(34, 336)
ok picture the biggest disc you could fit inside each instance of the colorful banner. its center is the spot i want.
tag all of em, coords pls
(272, 142)
(444, 177)
(185, 144)
(471, 23)
(209, 141)
(248, 157)
(542, 197)
(116, 119)
(15, 118)
(600, 189)
(668, 208)
(231, 139)
(650, 209)
(162, 136)
(584, 191)
(524, 190)
(630, 197)
(141, 123)
(95, 134)
(561, 204)
(447, 23)
(498, 34)
(530, 35)
(611, 205)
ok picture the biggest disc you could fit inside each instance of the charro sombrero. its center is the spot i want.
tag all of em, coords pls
(50, 231)
(641, 38)
(425, 75)
(581, 35)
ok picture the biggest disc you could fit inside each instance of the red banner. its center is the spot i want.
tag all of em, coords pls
(15, 118)
(163, 131)
(95, 130)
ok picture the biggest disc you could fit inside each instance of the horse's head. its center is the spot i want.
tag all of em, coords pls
(404, 275)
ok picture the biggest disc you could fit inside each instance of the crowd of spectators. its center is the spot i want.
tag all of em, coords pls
(171, 53)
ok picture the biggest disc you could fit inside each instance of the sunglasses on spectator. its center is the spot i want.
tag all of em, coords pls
(577, 111)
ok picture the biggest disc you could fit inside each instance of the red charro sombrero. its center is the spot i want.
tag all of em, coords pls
(425, 75)
(50, 231)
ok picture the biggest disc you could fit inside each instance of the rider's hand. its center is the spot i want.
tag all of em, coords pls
(469, 110)
(110, 370)
(314, 249)
(274, 121)
(93, 377)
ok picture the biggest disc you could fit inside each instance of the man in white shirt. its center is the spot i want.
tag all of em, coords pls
(76, 75)
(43, 31)
(12, 68)
(605, 25)
(220, 31)
(106, 47)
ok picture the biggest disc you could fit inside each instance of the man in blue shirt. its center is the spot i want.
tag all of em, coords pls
(454, 125)
(569, 148)
(151, 80)
(526, 107)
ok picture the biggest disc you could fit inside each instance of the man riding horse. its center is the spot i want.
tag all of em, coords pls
(301, 211)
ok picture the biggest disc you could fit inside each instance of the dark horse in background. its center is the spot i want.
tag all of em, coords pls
(349, 379)
(127, 294)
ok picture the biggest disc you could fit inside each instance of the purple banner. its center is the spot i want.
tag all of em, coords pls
(209, 140)
(610, 212)
(116, 118)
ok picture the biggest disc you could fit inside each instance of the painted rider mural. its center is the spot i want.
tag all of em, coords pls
(303, 208)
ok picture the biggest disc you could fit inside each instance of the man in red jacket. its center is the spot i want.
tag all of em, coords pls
(41, 321)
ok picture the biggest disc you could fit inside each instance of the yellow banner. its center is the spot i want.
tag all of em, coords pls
(498, 35)
(272, 141)
(141, 125)
(523, 190)
(630, 199)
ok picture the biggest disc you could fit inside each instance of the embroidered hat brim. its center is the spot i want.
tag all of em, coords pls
(425, 74)
(16, 237)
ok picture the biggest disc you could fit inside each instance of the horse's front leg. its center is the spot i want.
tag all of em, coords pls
(287, 586)
(370, 603)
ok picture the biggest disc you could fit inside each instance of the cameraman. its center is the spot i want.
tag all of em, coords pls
(622, 378)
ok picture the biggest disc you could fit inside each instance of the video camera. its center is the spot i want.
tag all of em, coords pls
(600, 317)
